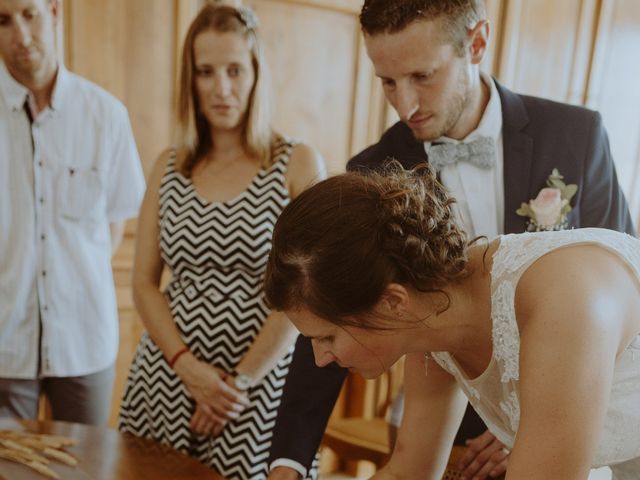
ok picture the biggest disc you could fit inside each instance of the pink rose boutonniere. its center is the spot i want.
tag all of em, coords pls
(549, 210)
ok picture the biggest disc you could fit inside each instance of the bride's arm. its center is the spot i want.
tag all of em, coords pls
(569, 340)
(433, 409)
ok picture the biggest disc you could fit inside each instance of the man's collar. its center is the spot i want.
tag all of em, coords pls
(15, 93)
(61, 87)
(491, 122)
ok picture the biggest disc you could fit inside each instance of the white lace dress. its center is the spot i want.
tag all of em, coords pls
(494, 394)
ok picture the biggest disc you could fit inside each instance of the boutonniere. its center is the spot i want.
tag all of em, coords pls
(549, 210)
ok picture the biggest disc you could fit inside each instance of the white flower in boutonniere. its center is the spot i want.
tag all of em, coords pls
(549, 210)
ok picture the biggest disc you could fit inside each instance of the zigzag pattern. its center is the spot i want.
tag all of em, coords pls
(217, 253)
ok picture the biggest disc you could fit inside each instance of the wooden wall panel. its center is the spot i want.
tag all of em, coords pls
(614, 90)
(370, 105)
(149, 70)
(545, 47)
(495, 15)
(314, 59)
(129, 49)
(94, 41)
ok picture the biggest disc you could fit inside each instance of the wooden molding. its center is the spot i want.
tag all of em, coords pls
(368, 103)
(585, 43)
(343, 6)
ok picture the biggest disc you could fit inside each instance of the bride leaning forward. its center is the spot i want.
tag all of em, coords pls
(539, 330)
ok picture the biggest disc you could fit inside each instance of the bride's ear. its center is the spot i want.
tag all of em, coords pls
(394, 301)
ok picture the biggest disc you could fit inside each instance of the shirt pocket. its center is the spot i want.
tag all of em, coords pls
(79, 192)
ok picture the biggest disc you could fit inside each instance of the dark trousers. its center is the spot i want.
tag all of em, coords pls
(84, 399)
(472, 426)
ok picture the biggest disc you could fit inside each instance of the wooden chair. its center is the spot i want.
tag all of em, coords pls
(366, 437)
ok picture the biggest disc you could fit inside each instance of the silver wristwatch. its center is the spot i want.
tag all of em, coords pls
(242, 382)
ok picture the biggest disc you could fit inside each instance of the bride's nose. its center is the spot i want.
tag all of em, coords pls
(323, 355)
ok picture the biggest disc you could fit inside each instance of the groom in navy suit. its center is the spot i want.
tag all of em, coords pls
(427, 52)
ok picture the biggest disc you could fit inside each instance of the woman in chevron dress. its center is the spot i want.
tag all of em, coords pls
(208, 373)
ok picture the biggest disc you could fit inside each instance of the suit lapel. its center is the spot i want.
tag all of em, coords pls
(518, 158)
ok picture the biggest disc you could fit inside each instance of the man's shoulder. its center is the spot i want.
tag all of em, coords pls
(397, 142)
(546, 113)
(543, 105)
(94, 95)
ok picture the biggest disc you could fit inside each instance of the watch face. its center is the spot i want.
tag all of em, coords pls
(242, 382)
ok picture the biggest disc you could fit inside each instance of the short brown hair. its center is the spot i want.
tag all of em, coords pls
(339, 244)
(392, 16)
(194, 137)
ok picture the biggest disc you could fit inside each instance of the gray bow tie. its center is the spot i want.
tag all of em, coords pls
(480, 152)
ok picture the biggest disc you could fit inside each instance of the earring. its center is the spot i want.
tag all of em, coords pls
(427, 357)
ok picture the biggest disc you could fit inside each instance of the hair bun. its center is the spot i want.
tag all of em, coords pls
(417, 226)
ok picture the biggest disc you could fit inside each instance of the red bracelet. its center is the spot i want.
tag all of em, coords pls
(177, 355)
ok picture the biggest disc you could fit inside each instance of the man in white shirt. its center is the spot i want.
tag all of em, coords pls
(70, 176)
(427, 55)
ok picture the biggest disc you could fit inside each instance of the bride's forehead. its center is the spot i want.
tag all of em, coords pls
(303, 319)
(313, 326)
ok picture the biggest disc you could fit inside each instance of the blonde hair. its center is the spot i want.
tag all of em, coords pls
(193, 132)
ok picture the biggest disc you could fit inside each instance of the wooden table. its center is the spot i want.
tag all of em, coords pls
(106, 454)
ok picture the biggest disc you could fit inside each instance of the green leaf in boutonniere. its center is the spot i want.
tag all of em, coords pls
(569, 191)
(524, 210)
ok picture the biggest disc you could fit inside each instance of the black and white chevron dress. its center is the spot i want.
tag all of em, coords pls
(217, 253)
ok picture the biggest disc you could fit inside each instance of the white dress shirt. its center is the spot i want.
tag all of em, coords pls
(64, 178)
(479, 192)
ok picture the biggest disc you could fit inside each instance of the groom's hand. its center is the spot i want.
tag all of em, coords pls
(485, 457)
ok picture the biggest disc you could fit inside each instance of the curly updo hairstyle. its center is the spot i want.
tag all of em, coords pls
(341, 242)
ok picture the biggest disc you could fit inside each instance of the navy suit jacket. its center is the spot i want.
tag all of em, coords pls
(538, 136)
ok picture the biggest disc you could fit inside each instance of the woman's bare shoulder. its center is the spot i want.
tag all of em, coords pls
(579, 286)
(306, 166)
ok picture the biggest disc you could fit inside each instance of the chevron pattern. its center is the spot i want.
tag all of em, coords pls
(217, 253)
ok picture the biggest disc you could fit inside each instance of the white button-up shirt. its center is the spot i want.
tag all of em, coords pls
(63, 180)
(479, 192)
